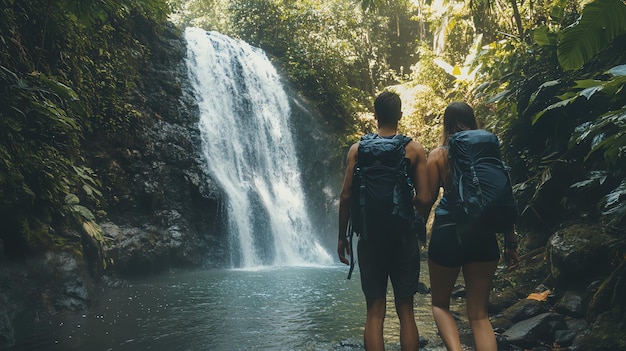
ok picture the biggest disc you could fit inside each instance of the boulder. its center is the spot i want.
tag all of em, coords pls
(579, 253)
(7, 334)
(500, 300)
(608, 333)
(525, 309)
(531, 332)
(571, 304)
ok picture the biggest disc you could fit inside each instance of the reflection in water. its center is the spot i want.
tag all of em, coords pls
(288, 308)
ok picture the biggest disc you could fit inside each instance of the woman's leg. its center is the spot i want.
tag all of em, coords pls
(478, 282)
(409, 336)
(374, 321)
(442, 281)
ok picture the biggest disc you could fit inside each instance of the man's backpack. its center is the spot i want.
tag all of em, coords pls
(381, 183)
(381, 186)
(481, 194)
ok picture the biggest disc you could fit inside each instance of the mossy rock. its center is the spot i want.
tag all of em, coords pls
(579, 253)
(607, 333)
(532, 272)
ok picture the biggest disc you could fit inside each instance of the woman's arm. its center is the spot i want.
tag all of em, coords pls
(510, 249)
(436, 172)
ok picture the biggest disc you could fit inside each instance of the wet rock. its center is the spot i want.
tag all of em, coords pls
(167, 201)
(7, 334)
(608, 332)
(501, 324)
(503, 343)
(579, 253)
(610, 293)
(458, 292)
(577, 325)
(525, 309)
(531, 332)
(422, 288)
(500, 300)
(71, 285)
(349, 345)
(356, 345)
(137, 250)
(564, 337)
(571, 304)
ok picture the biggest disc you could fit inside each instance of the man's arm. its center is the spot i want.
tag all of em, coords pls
(419, 177)
(343, 249)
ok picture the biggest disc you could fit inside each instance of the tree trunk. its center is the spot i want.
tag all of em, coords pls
(518, 19)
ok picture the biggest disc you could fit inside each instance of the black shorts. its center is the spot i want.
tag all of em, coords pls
(390, 251)
(444, 248)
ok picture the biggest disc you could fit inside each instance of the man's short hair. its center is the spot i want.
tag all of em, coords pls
(388, 107)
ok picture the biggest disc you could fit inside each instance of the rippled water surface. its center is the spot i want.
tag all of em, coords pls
(287, 308)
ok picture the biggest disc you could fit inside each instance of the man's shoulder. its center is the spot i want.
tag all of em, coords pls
(353, 150)
(414, 145)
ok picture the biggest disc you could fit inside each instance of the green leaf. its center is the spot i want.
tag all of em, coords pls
(87, 190)
(617, 71)
(59, 88)
(543, 88)
(554, 106)
(556, 14)
(72, 199)
(93, 229)
(595, 178)
(613, 147)
(588, 93)
(544, 36)
(600, 23)
(614, 204)
(84, 212)
(587, 83)
(498, 96)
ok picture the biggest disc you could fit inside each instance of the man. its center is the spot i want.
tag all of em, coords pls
(390, 249)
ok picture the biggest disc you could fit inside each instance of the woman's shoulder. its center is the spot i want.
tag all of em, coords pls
(439, 152)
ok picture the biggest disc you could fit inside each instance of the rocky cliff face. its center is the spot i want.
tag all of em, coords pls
(171, 215)
(162, 208)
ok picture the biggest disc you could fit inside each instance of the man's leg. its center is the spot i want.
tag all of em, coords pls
(409, 337)
(373, 336)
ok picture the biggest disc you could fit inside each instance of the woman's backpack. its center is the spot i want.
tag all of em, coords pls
(481, 194)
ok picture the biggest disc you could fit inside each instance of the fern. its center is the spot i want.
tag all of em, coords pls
(614, 208)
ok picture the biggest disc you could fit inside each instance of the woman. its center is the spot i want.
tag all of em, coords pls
(446, 257)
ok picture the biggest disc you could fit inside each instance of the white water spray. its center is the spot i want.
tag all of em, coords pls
(244, 123)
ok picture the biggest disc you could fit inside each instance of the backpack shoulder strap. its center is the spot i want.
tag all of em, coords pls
(369, 136)
(405, 139)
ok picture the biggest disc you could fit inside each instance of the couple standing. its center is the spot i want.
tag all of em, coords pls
(392, 251)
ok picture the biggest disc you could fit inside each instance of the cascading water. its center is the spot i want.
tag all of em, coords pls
(248, 147)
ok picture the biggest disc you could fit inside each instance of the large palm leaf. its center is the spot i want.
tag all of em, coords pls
(601, 21)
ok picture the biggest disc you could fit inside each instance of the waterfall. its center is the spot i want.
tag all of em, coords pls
(249, 150)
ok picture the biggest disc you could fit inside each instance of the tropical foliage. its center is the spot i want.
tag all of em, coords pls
(336, 54)
(548, 76)
(563, 93)
(67, 74)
